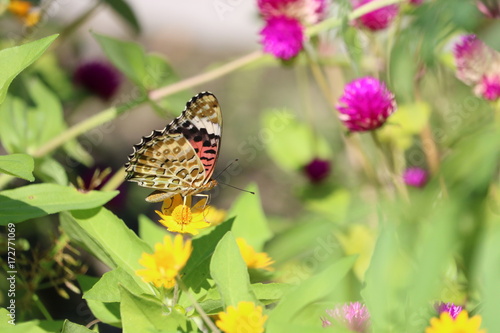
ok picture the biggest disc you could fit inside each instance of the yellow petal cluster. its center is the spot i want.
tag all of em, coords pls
(178, 216)
(461, 324)
(25, 11)
(252, 258)
(246, 317)
(166, 262)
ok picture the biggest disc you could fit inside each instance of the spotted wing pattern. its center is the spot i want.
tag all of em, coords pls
(181, 158)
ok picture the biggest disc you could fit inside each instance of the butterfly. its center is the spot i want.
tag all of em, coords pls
(181, 158)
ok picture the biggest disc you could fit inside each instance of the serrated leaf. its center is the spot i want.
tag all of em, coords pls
(250, 222)
(108, 238)
(15, 59)
(230, 273)
(18, 165)
(123, 9)
(141, 314)
(37, 200)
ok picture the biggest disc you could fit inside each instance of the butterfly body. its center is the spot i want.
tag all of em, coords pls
(181, 158)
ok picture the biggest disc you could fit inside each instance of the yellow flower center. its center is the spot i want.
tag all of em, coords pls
(182, 214)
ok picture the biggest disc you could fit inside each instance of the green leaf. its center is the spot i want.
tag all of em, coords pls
(230, 273)
(33, 326)
(123, 9)
(18, 165)
(69, 327)
(292, 144)
(197, 270)
(128, 57)
(311, 290)
(250, 222)
(141, 314)
(107, 288)
(151, 232)
(37, 200)
(15, 59)
(51, 171)
(108, 313)
(108, 238)
(403, 66)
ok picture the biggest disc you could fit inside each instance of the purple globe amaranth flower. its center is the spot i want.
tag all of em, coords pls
(99, 78)
(283, 37)
(490, 8)
(451, 308)
(353, 316)
(478, 65)
(379, 18)
(317, 170)
(365, 104)
(306, 11)
(415, 177)
(489, 87)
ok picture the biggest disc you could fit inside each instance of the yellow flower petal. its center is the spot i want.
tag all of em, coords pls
(19, 8)
(179, 217)
(252, 258)
(246, 317)
(461, 324)
(165, 263)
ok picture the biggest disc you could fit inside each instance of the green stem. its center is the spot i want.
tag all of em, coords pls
(41, 307)
(335, 22)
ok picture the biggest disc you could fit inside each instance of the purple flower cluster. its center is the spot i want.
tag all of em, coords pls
(478, 66)
(98, 78)
(378, 19)
(284, 33)
(415, 177)
(451, 308)
(353, 316)
(317, 170)
(365, 104)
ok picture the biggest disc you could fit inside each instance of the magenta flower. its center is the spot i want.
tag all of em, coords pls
(353, 316)
(283, 37)
(416, 2)
(478, 66)
(317, 170)
(365, 104)
(99, 78)
(490, 8)
(378, 19)
(451, 308)
(489, 87)
(306, 11)
(415, 177)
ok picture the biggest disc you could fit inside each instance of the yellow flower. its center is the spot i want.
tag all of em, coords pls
(252, 258)
(25, 11)
(214, 216)
(461, 324)
(177, 215)
(246, 318)
(165, 263)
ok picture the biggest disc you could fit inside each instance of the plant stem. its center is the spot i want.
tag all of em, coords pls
(41, 307)
(115, 181)
(205, 77)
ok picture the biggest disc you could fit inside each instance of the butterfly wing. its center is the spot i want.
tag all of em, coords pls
(181, 158)
(201, 125)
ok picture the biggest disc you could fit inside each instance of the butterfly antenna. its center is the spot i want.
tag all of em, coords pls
(237, 188)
